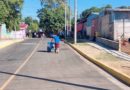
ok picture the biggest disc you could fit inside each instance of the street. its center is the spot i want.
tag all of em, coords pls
(28, 66)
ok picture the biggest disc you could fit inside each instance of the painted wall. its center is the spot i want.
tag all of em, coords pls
(90, 18)
(111, 25)
(106, 30)
(79, 27)
(118, 28)
(89, 31)
(7, 35)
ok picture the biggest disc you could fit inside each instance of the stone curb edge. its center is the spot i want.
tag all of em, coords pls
(9, 43)
(121, 76)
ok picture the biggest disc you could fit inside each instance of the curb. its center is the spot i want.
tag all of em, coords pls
(121, 76)
(8, 43)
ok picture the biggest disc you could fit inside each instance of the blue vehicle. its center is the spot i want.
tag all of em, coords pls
(50, 46)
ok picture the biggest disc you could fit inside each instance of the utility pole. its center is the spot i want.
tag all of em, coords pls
(15, 32)
(0, 29)
(65, 20)
(70, 15)
(123, 28)
(122, 37)
(75, 13)
(15, 29)
(67, 27)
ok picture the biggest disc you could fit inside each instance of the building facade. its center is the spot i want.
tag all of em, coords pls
(114, 23)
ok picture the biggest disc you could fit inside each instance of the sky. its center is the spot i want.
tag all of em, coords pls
(31, 6)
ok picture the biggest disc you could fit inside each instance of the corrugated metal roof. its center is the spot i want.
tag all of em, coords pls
(116, 9)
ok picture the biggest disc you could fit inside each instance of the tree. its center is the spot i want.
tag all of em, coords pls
(12, 13)
(86, 12)
(28, 20)
(52, 15)
(33, 24)
(33, 27)
(108, 6)
(3, 11)
(52, 2)
(52, 20)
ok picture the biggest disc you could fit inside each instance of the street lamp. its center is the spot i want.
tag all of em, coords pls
(75, 29)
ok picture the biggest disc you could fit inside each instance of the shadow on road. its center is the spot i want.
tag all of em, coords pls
(42, 51)
(54, 81)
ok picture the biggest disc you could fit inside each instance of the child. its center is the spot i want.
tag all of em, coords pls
(57, 42)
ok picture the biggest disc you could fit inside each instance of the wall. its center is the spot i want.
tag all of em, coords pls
(4, 33)
(91, 28)
(94, 27)
(21, 34)
(118, 27)
(8, 35)
(106, 27)
(89, 31)
(118, 15)
(107, 42)
(85, 27)
(90, 18)
(79, 27)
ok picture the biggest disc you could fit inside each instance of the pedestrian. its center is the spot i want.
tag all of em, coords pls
(27, 33)
(56, 40)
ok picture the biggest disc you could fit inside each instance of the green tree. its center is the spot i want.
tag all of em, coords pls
(4, 12)
(28, 20)
(52, 16)
(107, 6)
(33, 25)
(52, 2)
(86, 12)
(52, 20)
(10, 13)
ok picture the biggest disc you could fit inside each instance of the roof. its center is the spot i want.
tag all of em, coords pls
(23, 26)
(116, 9)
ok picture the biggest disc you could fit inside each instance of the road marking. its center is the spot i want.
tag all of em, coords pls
(17, 71)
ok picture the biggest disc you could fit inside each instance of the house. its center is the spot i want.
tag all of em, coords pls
(81, 30)
(91, 25)
(114, 23)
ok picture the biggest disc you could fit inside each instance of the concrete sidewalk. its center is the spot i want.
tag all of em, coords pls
(5, 43)
(122, 55)
(114, 62)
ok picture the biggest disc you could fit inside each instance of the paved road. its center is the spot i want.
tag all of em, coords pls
(27, 66)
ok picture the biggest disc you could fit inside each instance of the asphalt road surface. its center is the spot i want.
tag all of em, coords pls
(28, 66)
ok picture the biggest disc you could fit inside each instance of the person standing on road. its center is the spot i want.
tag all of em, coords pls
(56, 40)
